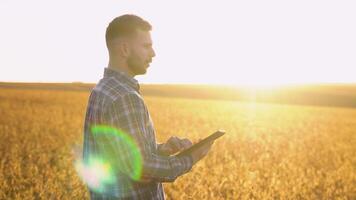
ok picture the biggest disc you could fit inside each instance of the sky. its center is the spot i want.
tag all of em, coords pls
(205, 42)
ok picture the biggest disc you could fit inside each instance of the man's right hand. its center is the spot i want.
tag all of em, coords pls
(201, 152)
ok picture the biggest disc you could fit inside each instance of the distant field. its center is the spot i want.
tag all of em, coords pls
(270, 151)
(336, 95)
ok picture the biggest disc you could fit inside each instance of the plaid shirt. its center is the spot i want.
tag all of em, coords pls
(116, 102)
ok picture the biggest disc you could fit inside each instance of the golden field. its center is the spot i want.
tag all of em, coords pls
(270, 151)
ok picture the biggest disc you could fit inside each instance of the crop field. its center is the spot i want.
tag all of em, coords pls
(269, 151)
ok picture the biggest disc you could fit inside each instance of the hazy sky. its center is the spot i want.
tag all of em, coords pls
(223, 42)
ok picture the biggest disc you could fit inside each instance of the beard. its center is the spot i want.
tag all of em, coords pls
(136, 65)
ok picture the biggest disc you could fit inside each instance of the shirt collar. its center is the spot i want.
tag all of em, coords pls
(122, 77)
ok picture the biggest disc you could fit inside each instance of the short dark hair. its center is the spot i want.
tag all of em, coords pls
(125, 26)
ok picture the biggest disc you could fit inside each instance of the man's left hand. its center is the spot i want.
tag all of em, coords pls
(174, 145)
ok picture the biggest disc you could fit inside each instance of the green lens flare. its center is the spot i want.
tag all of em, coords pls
(101, 169)
(127, 144)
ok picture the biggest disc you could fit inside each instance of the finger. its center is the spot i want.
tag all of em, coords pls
(171, 139)
(175, 143)
(168, 149)
(186, 143)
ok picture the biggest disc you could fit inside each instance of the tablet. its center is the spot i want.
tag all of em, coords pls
(211, 137)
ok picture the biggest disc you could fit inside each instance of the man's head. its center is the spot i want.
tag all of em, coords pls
(129, 43)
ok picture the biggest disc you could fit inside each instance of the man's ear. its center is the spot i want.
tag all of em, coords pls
(125, 49)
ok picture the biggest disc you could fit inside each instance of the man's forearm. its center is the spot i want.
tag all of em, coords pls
(165, 168)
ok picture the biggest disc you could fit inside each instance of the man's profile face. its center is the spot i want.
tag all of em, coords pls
(141, 53)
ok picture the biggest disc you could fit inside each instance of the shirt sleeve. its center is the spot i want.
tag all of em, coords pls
(128, 114)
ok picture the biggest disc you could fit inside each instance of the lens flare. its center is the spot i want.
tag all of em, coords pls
(102, 169)
(126, 142)
(96, 173)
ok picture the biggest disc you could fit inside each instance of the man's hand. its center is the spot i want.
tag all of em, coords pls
(174, 145)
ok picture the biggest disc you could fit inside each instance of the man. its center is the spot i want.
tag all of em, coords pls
(118, 128)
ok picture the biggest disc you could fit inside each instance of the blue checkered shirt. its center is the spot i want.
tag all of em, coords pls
(116, 102)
